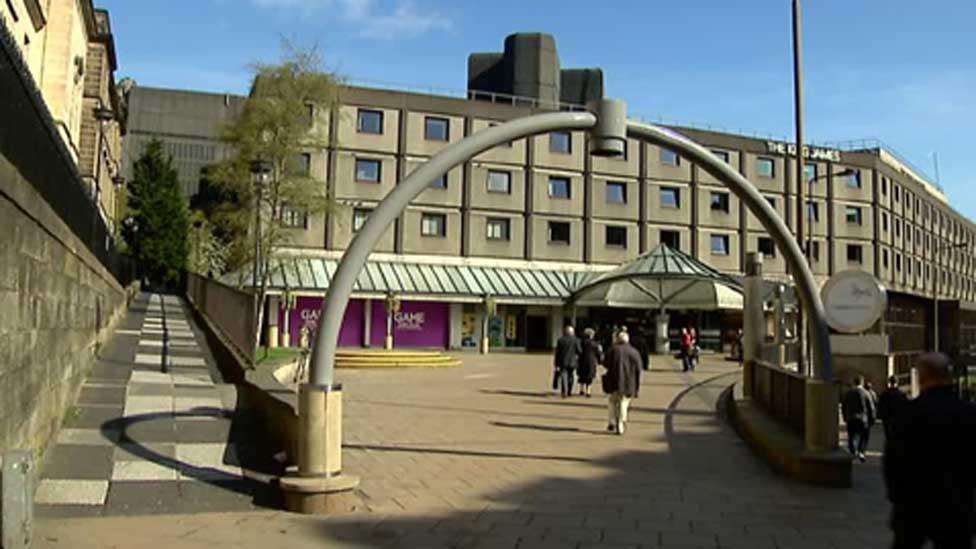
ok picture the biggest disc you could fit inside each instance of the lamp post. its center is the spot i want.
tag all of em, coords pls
(938, 284)
(798, 112)
(260, 178)
(118, 182)
(102, 116)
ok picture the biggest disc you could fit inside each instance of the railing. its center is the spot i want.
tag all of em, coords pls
(779, 392)
(229, 310)
(770, 354)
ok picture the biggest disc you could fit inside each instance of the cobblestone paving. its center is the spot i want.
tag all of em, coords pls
(486, 456)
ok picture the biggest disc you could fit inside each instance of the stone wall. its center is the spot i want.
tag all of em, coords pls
(56, 304)
(60, 289)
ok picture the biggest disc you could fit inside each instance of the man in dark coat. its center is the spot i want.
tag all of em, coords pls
(622, 381)
(929, 463)
(890, 403)
(858, 410)
(566, 360)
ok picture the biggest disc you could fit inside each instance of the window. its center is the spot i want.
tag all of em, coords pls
(897, 228)
(771, 200)
(720, 201)
(671, 239)
(368, 170)
(669, 157)
(369, 121)
(810, 171)
(767, 247)
(720, 244)
(855, 254)
(722, 155)
(813, 211)
(765, 167)
(908, 235)
(559, 232)
(670, 197)
(302, 164)
(559, 187)
(309, 115)
(813, 251)
(853, 215)
(897, 193)
(498, 228)
(561, 142)
(439, 183)
(898, 264)
(616, 237)
(884, 186)
(499, 182)
(884, 221)
(359, 216)
(437, 129)
(293, 218)
(432, 224)
(616, 192)
(854, 179)
(884, 258)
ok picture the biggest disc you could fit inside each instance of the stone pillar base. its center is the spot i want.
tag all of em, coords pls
(662, 342)
(321, 495)
(484, 345)
(821, 420)
(388, 344)
(273, 337)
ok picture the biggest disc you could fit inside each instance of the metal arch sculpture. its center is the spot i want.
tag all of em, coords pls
(608, 134)
(770, 220)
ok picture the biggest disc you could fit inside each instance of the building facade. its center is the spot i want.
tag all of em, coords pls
(187, 123)
(69, 49)
(497, 246)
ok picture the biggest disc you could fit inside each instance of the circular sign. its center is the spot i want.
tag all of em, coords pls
(853, 301)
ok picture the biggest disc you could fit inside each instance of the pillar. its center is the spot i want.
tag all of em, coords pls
(284, 335)
(661, 324)
(388, 341)
(274, 306)
(367, 322)
(484, 331)
(753, 318)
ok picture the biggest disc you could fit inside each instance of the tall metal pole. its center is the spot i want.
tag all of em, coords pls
(800, 194)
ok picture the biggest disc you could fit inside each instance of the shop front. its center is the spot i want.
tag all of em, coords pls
(417, 324)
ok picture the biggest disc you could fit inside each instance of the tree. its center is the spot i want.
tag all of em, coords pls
(157, 233)
(277, 125)
(208, 253)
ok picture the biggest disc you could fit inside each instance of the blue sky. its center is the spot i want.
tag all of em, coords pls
(890, 69)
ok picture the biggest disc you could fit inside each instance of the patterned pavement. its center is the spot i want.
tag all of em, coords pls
(152, 432)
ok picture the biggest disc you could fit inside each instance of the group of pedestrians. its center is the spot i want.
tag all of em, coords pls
(620, 381)
(929, 462)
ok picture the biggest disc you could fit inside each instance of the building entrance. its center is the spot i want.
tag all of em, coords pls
(537, 333)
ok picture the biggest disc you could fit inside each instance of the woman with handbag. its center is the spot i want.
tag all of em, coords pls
(591, 357)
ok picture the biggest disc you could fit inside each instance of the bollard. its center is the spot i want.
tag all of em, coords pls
(18, 500)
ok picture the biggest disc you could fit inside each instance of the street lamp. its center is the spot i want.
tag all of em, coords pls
(118, 182)
(938, 285)
(260, 178)
(103, 116)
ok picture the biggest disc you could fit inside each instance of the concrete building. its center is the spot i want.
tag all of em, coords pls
(522, 225)
(188, 124)
(69, 49)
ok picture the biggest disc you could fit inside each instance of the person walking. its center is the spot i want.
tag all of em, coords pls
(874, 402)
(621, 383)
(590, 358)
(685, 350)
(641, 342)
(695, 350)
(890, 403)
(858, 411)
(566, 360)
(928, 464)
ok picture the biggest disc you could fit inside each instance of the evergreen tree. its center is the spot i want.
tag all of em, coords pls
(158, 232)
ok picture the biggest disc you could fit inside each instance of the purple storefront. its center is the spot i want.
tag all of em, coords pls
(418, 324)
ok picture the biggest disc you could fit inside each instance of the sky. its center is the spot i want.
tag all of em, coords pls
(874, 69)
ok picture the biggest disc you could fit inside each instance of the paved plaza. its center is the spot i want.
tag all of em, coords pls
(486, 455)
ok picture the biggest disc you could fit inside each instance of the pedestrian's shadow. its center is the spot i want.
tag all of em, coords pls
(545, 428)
